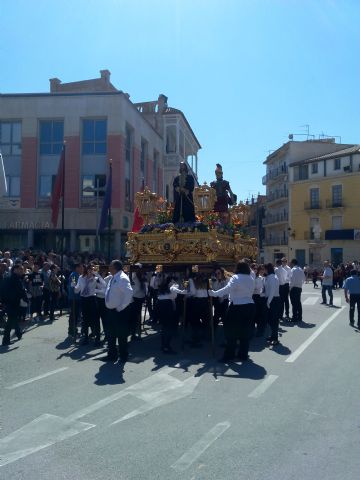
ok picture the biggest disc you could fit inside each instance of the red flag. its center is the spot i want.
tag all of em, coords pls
(57, 192)
(138, 220)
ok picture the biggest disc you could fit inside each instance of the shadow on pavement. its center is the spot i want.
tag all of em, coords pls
(110, 374)
(247, 369)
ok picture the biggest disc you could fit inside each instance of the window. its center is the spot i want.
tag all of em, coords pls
(94, 137)
(314, 198)
(314, 168)
(155, 172)
(337, 163)
(336, 222)
(10, 138)
(46, 185)
(314, 221)
(143, 155)
(13, 186)
(171, 139)
(128, 159)
(90, 183)
(51, 137)
(337, 195)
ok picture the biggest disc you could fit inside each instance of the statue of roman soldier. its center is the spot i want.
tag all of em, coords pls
(225, 196)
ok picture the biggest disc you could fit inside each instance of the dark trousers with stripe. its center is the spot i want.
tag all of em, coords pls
(238, 327)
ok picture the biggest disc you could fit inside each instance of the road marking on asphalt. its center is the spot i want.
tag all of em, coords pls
(310, 301)
(264, 385)
(189, 457)
(34, 379)
(312, 337)
(38, 434)
(46, 430)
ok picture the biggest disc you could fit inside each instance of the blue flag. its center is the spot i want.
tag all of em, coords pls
(104, 218)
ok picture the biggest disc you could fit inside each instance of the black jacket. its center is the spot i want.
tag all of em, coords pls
(12, 292)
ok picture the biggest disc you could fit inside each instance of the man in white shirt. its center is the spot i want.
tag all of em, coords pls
(286, 287)
(118, 299)
(327, 283)
(296, 282)
(282, 275)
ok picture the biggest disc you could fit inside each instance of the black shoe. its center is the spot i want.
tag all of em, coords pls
(84, 341)
(124, 359)
(19, 336)
(323, 303)
(274, 342)
(351, 323)
(5, 344)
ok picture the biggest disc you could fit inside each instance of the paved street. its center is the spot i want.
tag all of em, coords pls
(290, 413)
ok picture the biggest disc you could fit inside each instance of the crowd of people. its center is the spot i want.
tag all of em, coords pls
(107, 304)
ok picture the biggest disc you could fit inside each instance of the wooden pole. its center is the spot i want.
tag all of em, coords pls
(183, 325)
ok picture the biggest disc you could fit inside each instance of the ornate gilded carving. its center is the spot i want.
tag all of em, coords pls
(239, 214)
(204, 199)
(189, 247)
(147, 203)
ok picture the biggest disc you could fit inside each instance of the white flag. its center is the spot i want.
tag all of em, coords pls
(3, 184)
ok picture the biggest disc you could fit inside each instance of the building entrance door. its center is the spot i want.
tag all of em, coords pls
(336, 256)
(300, 257)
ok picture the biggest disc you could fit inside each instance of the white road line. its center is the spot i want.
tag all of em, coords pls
(309, 341)
(199, 447)
(34, 379)
(337, 301)
(310, 301)
(264, 385)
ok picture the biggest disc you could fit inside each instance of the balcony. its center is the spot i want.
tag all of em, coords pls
(276, 218)
(277, 197)
(275, 241)
(309, 235)
(335, 204)
(275, 174)
(314, 205)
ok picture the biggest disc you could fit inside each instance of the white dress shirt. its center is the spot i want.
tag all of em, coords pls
(217, 285)
(281, 275)
(197, 292)
(240, 289)
(259, 285)
(288, 272)
(297, 277)
(100, 293)
(89, 286)
(174, 292)
(271, 287)
(118, 292)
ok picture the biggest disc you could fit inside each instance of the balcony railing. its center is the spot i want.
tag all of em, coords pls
(276, 218)
(276, 241)
(334, 204)
(314, 205)
(273, 197)
(309, 235)
(274, 174)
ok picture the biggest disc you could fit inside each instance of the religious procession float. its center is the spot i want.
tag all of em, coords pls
(204, 226)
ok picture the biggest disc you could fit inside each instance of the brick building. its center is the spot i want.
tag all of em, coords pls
(98, 122)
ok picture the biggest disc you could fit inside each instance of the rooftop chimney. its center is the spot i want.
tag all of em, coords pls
(105, 74)
(54, 83)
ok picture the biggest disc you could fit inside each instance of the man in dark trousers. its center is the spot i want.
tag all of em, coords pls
(352, 295)
(118, 299)
(12, 292)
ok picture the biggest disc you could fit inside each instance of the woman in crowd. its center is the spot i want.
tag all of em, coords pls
(54, 290)
(139, 286)
(166, 312)
(100, 297)
(239, 320)
(199, 313)
(88, 286)
(35, 289)
(220, 303)
(260, 301)
(272, 303)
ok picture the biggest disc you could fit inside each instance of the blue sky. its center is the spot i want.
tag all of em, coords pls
(245, 73)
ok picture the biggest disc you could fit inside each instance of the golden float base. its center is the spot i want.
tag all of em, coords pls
(194, 248)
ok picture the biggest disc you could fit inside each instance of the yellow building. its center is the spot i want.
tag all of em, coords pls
(324, 214)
